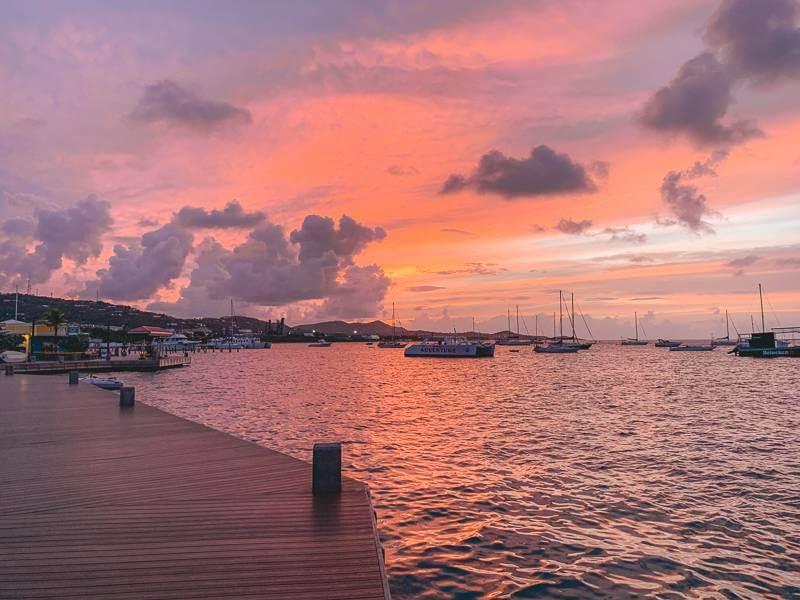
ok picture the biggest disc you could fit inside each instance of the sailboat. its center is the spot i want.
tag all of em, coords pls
(725, 341)
(634, 341)
(393, 343)
(558, 346)
(581, 345)
(512, 339)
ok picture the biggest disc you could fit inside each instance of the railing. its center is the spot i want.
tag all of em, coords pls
(146, 364)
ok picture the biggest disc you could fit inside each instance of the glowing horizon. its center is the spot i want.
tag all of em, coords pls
(485, 154)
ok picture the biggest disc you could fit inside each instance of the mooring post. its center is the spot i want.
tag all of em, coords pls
(327, 469)
(127, 396)
(73, 378)
(9, 369)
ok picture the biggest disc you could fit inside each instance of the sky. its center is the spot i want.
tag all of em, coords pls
(324, 160)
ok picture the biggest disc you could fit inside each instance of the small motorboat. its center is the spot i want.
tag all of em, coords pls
(692, 348)
(106, 383)
(661, 343)
(321, 343)
(391, 344)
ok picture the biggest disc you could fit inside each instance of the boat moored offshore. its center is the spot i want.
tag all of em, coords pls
(451, 347)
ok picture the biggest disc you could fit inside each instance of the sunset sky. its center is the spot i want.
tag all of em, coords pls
(321, 160)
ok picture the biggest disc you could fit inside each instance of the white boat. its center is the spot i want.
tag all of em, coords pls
(692, 348)
(635, 341)
(451, 347)
(557, 348)
(392, 343)
(661, 343)
(106, 383)
(321, 343)
(12, 356)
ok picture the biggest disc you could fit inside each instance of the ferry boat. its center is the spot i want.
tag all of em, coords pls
(780, 342)
(635, 341)
(662, 343)
(451, 347)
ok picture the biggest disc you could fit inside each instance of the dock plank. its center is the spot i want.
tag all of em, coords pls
(102, 502)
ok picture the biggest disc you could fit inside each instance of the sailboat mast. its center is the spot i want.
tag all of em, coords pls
(560, 316)
(727, 326)
(636, 324)
(394, 329)
(574, 339)
(536, 326)
(761, 299)
(517, 320)
(16, 303)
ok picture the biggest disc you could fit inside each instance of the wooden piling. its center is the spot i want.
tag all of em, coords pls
(327, 469)
(127, 396)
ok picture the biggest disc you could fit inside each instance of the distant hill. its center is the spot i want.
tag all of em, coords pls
(103, 314)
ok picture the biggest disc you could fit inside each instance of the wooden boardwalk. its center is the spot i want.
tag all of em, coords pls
(102, 502)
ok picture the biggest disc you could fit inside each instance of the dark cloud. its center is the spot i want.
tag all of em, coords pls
(695, 103)
(624, 234)
(739, 264)
(572, 227)
(319, 236)
(73, 233)
(707, 168)
(360, 293)
(544, 173)
(315, 262)
(536, 228)
(425, 288)
(402, 171)
(758, 39)
(687, 204)
(136, 272)
(232, 216)
(789, 261)
(474, 268)
(168, 102)
(148, 222)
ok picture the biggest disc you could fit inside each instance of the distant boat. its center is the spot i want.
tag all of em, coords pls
(451, 347)
(12, 356)
(321, 343)
(767, 344)
(692, 348)
(661, 343)
(556, 348)
(634, 341)
(106, 383)
(393, 343)
(726, 341)
(513, 339)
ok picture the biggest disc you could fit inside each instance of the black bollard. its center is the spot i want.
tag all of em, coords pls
(327, 469)
(73, 378)
(127, 396)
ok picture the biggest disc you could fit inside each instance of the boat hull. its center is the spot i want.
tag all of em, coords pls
(692, 349)
(514, 343)
(450, 350)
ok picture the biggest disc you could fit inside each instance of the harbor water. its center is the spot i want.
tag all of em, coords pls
(614, 472)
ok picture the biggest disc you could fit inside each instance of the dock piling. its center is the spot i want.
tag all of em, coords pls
(9, 369)
(327, 469)
(73, 378)
(127, 396)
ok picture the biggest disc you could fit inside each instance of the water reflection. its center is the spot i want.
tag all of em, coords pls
(618, 471)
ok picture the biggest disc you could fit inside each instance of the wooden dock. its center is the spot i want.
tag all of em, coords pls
(98, 501)
(52, 367)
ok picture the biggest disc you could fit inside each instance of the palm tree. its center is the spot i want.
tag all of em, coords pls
(55, 318)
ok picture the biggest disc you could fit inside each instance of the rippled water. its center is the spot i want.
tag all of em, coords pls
(614, 472)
